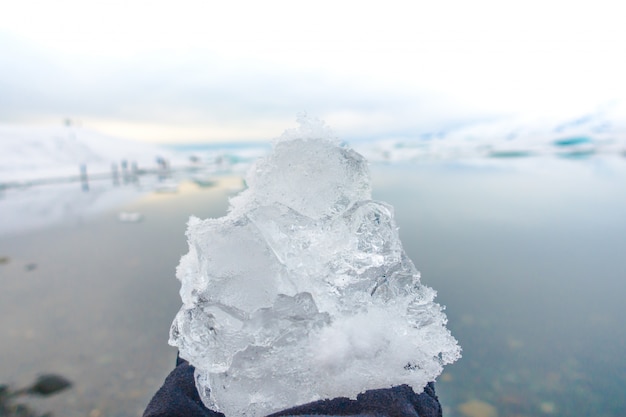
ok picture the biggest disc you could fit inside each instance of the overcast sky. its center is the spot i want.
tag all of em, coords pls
(193, 70)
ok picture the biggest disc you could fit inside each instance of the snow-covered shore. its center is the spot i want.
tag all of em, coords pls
(46, 153)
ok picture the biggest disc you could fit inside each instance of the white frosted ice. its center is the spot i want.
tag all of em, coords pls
(303, 291)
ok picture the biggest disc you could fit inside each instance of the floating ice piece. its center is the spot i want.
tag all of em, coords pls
(129, 217)
(303, 291)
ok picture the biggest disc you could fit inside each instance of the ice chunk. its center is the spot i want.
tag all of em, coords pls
(303, 290)
(130, 217)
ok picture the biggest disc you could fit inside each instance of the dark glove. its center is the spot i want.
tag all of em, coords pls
(178, 397)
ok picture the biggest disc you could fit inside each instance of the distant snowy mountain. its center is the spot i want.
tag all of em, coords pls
(42, 152)
(601, 132)
(28, 153)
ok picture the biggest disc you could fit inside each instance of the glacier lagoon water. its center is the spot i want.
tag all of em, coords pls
(526, 254)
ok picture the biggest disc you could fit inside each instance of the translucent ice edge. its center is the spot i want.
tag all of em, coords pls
(303, 291)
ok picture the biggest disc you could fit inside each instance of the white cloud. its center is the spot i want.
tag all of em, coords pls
(366, 66)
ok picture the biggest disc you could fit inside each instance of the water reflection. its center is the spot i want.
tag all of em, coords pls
(527, 255)
(97, 307)
(529, 263)
(29, 208)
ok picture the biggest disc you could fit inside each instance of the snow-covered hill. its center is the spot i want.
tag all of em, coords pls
(600, 132)
(29, 153)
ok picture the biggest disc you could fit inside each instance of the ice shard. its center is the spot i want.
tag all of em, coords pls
(303, 291)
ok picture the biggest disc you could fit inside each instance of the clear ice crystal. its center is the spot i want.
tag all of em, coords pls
(303, 290)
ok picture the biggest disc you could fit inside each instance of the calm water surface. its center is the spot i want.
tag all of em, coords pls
(527, 255)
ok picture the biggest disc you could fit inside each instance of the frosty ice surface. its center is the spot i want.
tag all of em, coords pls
(303, 290)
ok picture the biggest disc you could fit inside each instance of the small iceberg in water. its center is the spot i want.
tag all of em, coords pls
(130, 217)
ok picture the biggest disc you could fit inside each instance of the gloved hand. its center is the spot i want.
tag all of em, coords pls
(178, 397)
